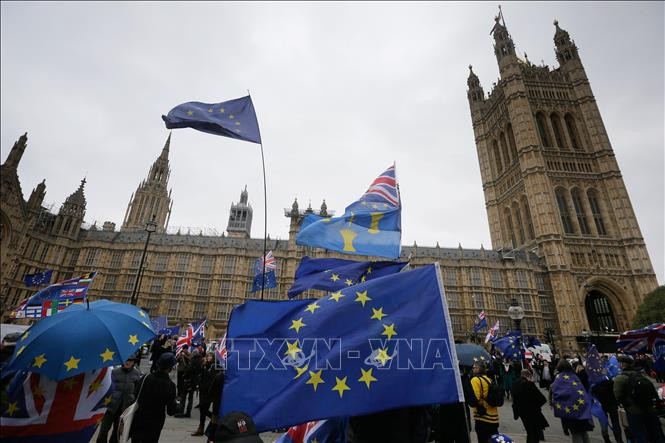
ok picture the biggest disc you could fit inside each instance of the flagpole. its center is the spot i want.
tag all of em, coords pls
(265, 206)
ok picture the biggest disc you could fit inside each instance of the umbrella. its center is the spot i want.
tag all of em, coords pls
(81, 338)
(646, 339)
(468, 354)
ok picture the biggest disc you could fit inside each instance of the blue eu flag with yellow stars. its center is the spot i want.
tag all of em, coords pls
(234, 118)
(382, 344)
(370, 226)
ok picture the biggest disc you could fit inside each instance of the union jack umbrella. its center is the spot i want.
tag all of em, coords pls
(642, 340)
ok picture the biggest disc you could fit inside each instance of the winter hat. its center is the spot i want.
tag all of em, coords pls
(236, 427)
(166, 360)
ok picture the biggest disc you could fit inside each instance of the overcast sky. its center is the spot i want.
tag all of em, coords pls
(341, 90)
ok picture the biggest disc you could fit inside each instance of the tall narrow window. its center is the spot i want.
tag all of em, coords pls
(519, 226)
(510, 233)
(527, 216)
(572, 132)
(558, 133)
(595, 212)
(511, 141)
(497, 157)
(504, 149)
(579, 211)
(542, 129)
(565, 213)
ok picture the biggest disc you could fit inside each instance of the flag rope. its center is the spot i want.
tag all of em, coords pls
(265, 205)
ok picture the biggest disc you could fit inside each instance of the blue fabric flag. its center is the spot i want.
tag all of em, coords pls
(509, 346)
(370, 226)
(234, 118)
(642, 340)
(269, 280)
(170, 331)
(530, 341)
(594, 368)
(38, 279)
(324, 431)
(612, 366)
(333, 274)
(159, 323)
(481, 323)
(569, 397)
(383, 344)
(57, 297)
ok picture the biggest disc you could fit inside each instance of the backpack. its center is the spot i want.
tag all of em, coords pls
(494, 394)
(642, 391)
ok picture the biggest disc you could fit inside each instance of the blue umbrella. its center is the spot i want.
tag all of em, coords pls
(468, 354)
(82, 338)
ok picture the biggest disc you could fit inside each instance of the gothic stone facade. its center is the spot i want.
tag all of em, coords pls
(566, 242)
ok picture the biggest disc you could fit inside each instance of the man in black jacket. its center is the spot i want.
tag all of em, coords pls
(156, 393)
(124, 379)
(527, 401)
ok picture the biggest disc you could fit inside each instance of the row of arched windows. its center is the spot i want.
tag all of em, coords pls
(580, 211)
(555, 132)
(504, 150)
(517, 222)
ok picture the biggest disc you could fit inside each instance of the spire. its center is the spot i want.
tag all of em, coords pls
(503, 43)
(566, 50)
(244, 196)
(324, 209)
(16, 152)
(75, 204)
(165, 152)
(475, 92)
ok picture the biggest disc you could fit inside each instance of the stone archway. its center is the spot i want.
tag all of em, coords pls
(604, 305)
(599, 312)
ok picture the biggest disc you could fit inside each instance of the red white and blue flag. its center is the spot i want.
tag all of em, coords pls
(194, 332)
(324, 431)
(646, 339)
(221, 351)
(41, 410)
(493, 332)
(383, 189)
(481, 323)
(56, 297)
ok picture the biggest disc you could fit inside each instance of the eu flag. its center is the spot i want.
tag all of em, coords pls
(332, 274)
(382, 344)
(509, 346)
(370, 226)
(234, 118)
(38, 279)
(264, 273)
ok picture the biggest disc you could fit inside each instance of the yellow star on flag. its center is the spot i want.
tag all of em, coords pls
(336, 296)
(574, 383)
(20, 350)
(232, 117)
(378, 314)
(580, 401)
(209, 109)
(566, 377)
(312, 307)
(558, 406)
(297, 324)
(300, 371)
(142, 314)
(133, 339)
(221, 110)
(567, 410)
(72, 363)
(575, 407)
(369, 270)
(334, 277)
(340, 386)
(293, 349)
(581, 392)
(190, 113)
(39, 360)
(389, 330)
(107, 400)
(107, 355)
(362, 279)
(315, 379)
(348, 282)
(24, 336)
(383, 356)
(12, 407)
(367, 377)
(362, 297)
(94, 386)
(69, 383)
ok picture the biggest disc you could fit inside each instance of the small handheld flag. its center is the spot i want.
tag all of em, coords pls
(38, 279)
(481, 323)
(265, 280)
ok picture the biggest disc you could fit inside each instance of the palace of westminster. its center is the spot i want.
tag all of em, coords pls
(566, 243)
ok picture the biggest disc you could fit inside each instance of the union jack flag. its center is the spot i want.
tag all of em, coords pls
(56, 297)
(270, 263)
(642, 340)
(383, 189)
(332, 430)
(494, 330)
(194, 331)
(481, 323)
(42, 410)
(221, 352)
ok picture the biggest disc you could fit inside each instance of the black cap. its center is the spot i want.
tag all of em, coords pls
(236, 427)
(625, 358)
(166, 360)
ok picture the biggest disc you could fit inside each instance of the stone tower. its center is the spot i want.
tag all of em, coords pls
(70, 217)
(553, 186)
(151, 199)
(240, 218)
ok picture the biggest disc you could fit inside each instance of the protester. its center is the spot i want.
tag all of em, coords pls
(190, 383)
(216, 392)
(183, 360)
(604, 392)
(207, 376)
(527, 401)
(124, 379)
(406, 425)
(545, 375)
(155, 394)
(631, 389)
(236, 427)
(565, 389)
(156, 350)
(451, 416)
(507, 377)
(486, 417)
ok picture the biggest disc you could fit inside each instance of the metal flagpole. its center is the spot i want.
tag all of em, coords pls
(265, 207)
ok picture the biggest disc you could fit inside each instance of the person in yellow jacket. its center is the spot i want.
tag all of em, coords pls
(486, 417)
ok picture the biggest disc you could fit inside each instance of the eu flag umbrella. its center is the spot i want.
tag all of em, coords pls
(82, 338)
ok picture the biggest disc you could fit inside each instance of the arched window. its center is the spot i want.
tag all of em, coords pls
(510, 233)
(497, 157)
(599, 312)
(542, 129)
(579, 211)
(595, 212)
(572, 132)
(68, 225)
(504, 150)
(529, 221)
(519, 226)
(511, 141)
(558, 132)
(564, 212)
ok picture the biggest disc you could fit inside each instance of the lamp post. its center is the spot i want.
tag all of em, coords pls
(150, 227)
(516, 314)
